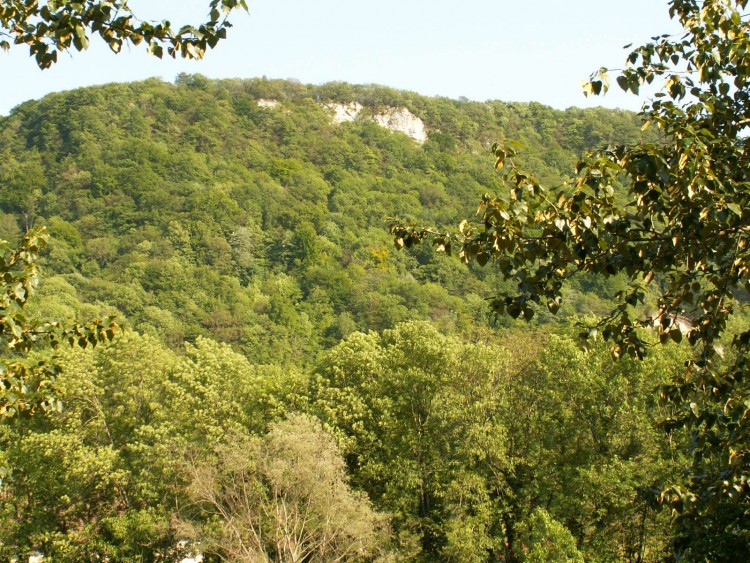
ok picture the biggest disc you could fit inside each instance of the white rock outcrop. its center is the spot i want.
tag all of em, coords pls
(344, 112)
(395, 119)
(267, 103)
(401, 119)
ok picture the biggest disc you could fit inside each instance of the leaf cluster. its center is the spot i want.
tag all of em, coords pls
(27, 385)
(56, 26)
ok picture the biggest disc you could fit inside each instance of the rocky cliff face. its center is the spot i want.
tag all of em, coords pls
(344, 112)
(401, 119)
(395, 119)
(267, 103)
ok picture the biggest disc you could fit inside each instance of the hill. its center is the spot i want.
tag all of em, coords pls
(255, 211)
(287, 382)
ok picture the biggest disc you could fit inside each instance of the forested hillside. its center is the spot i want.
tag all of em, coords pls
(191, 210)
(289, 386)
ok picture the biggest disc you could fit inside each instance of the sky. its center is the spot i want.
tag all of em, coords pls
(510, 50)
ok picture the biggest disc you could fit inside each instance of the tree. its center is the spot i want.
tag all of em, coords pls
(672, 215)
(55, 26)
(423, 421)
(104, 478)
(545, 539)
(47, 29)
(284, 497)
(585, 428)
(26, 384)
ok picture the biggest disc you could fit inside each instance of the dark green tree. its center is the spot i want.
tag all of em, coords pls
(672, 216)
(55, 26)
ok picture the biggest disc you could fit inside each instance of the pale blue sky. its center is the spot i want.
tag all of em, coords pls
(511, 50)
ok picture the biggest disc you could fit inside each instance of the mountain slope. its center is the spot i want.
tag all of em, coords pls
(244, 210)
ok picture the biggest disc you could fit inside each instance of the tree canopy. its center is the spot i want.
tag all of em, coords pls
(48, 28)
(193, 211)
(196, 209)
(673, 216)
(27, 385)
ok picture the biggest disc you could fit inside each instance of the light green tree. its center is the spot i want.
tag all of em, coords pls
(423, 422)
(284, 497)
(545, 540)
(29, 384)
(106, 475)
(94, 479)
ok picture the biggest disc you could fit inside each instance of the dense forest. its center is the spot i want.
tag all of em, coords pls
(286, 384)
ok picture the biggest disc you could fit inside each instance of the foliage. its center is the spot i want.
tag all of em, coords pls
(680, 228)
(198, 215)
(544, 539)
(284, 497)
(193, 211)
(587, 433)
(82, 461)
(401, 403)
(462, 442)
(26, 386)
(49, 28)
(103, 477)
